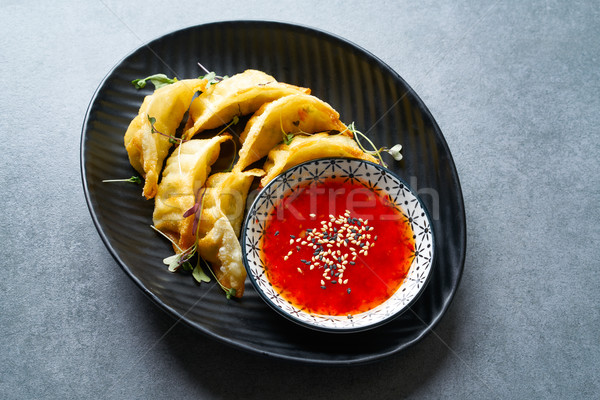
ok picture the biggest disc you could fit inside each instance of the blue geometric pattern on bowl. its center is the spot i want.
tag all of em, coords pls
(371, 176)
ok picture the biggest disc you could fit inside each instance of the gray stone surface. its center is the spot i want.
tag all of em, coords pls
(513, 85)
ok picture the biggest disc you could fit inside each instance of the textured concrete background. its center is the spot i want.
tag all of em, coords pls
(514, 87)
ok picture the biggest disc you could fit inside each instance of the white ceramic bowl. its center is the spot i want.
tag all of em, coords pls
(373, 177)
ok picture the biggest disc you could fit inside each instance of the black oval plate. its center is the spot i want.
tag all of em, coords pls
(362, 89)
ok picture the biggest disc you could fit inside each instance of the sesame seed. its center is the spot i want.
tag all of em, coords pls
(277, 233)
(285, 258)
(312, 215)
(300, 270)
(291, 241)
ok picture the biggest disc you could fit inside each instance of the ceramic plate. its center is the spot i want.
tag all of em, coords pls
(362, 89)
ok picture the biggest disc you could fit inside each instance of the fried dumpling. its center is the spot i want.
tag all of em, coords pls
(296, 113)
(147, 150)
(225, 195)
(239, 95)
(185, 173)
(223, 205)
(306, 148)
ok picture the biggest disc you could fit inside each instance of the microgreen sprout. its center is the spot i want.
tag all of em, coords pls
(159, 80)
(172, 139)
(229, 292)
(394, 151)
(133, 179)
(183, 257)
(211, 76)
(196, 211)
(177, 260)
(234, 121)
(288, 137)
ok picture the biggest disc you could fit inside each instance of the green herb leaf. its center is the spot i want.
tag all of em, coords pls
(174, 262)
(229, 293)
(209, 77)
(213, 78)
(199, 274)
(287, 138)
(187, 266)
(158, 80)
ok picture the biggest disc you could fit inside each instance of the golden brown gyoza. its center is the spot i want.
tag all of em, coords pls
(185, 173)
(292, 114)
(223, 205)
(306, 148)
(147, 150)
(239, 95)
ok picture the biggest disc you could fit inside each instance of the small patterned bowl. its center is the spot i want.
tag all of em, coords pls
(373, 177)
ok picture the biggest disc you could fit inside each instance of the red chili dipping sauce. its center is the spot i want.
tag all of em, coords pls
(336, 248)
